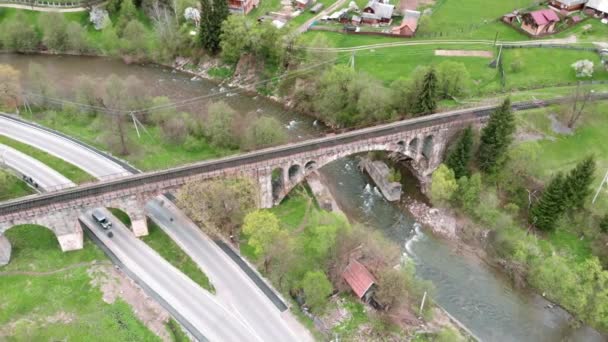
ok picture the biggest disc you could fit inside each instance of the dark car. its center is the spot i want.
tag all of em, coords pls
(103, 221)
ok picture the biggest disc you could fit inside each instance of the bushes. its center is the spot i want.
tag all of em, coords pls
(17, 34)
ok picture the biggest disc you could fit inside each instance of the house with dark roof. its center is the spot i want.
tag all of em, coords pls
(376, 12)
(568, 5)
(539, 22)
(360, 280)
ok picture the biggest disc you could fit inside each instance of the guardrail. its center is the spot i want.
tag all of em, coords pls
(99, 188)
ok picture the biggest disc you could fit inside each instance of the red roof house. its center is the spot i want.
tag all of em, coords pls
(539, 22)
(407, 28)
(359, 279)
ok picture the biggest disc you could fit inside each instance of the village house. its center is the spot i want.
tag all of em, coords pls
(407, 28)
(539, 22)
(599, 7)
(376, 12)
(242, 6)
(303, 4)
(360, 280)
(568, 5)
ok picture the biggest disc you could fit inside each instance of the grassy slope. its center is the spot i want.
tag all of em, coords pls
(16, 188)
(150, 152)
(169, 250)
(70, 171)
(561, 153)
(27, 301)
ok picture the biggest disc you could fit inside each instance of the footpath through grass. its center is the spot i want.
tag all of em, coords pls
(70, 171)
(15, 187)
(64, 305)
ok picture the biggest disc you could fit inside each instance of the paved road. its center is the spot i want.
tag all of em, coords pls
(88, 160)
(234, 289)
(196, 305)
(46, 178)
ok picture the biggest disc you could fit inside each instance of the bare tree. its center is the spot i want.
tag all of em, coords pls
(10, 87)
(579, 103)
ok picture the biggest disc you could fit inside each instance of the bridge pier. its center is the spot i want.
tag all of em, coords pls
(265, 182)
(134, 207)
(5, 250)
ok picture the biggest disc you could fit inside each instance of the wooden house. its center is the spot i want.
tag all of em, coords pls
(360, 280)
(376, 12)
(568, 5)
(539, 22)
(242, 6)
(407, 28)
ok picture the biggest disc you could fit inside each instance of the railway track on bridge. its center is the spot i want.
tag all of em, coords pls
(104, 187)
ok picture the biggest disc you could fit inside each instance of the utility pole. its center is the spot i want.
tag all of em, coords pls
(599, 188)
(352, 61)
(495, 38)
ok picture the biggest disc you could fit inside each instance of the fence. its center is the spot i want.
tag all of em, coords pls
(53, 3)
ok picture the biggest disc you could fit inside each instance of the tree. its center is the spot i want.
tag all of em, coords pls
(86, 92)
(467, 195)
(604, 224)
(452, 79)
(55, 31)
(114, 99)
(234, 38)
(220, 125)
(264, 132)
(219, 205)
(392, 287)
(460, 156)
(443, 185)
(76, 38)
(427, 96)
(127, 13)
(17, 35)
(317, 289)
(39, 85)
(213, 15)
(583, 68)
(263, 228)
(550, 206)
(134, 39)
(578, 104)
(109, 41)
(578, 182)
(496, 138)
(10, 87)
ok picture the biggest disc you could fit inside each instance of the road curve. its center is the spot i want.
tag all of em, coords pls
(196, 305)
(234, 289)
(90, 161)
(47, 178)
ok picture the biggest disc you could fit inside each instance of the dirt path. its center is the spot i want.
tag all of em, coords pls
(464, 53)
(37, 274)
(559, 41)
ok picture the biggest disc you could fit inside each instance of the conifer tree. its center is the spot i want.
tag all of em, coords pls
(551, 205)
(205, 25)
(213, 14)
(578, 182)
(496, 138)
(458, 159)
(427, 97)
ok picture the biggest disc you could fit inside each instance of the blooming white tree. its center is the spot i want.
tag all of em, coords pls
(583, 68)
(99, 18)
(193, 14)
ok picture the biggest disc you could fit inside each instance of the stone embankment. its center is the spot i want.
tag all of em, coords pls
(322, 193)
(379, 172)
(440, 221)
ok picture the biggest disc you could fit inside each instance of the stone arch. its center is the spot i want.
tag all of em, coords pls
(403, 155)
(413, 146)
(427, 147)
(294, 172)
(69, 237)
(309, 166)
(131, 212)
(401, 144)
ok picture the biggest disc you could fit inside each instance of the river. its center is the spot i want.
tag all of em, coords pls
(475, 294)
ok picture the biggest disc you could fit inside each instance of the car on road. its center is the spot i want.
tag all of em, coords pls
(103, 221)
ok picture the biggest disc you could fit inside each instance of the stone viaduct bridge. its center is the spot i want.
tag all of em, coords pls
(421, 141)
